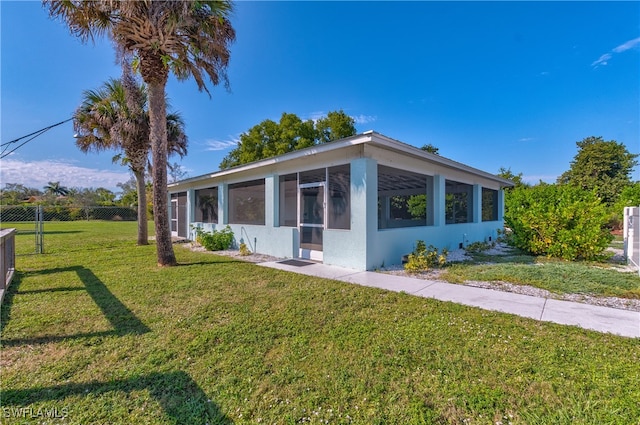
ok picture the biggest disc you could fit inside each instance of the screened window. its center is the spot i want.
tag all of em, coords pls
(313, 176)
(458, 202)
(246, 202)
(405, 199)
(207, 205)
(289, 200)
(339, 196)
(489, 204)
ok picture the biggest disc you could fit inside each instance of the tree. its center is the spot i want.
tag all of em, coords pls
(176, 172)
(15, 194)
(270, 138)
(430, 148)
(335, 126)
(129, 196)
(603, 166)
(506, 173)
(55, 189)
(188, 38)
(116, 117)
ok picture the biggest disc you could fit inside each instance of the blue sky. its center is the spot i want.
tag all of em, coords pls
(501, 84)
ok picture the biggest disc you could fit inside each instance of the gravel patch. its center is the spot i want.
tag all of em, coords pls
(234, 253)
(502, 249)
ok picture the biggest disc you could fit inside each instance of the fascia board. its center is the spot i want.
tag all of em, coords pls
(388, 143)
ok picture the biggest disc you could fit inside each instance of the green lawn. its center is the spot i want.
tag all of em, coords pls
(94, 331)
(558, 276)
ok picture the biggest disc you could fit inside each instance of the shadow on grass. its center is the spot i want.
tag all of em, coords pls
(119, 316)
(54, 232)
(180, 397)
(7, 302)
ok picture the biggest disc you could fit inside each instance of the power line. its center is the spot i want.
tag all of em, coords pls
(35, 134)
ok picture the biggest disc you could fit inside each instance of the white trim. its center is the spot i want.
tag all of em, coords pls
(368, 137)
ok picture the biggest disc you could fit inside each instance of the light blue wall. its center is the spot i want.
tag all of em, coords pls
(353, 248)
(281, 242)
(392, 244)
(363, 247)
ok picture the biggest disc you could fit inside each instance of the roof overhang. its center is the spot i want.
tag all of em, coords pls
(368, 137)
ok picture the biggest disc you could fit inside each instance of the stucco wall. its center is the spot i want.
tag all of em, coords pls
(392, 244)
(281, 242)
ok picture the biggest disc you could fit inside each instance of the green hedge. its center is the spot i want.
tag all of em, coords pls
(557, 221)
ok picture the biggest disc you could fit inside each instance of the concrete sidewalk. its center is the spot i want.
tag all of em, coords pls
(602, 319)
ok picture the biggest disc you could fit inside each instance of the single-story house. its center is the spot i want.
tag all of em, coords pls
(360, 202)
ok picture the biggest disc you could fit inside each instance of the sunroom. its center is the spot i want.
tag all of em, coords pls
(360, 202)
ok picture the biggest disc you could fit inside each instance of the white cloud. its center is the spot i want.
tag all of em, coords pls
(37, 174)
(358, 119)
(628, 45)
(526, 139)
(221, 145)
(364, 119)
(604, 59)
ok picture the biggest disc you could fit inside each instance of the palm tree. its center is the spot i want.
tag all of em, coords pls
(188, 38)
(115, 117)
(54, 188)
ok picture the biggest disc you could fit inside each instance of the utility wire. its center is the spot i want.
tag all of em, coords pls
(35, 134)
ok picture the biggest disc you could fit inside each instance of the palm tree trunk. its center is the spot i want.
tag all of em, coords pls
(158, 136)
(143, 231)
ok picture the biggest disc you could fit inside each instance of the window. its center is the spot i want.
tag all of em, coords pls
(405, 199)
(246, 202)
(289, 200)
(489, 204)
(458, 202)
(207, 205)
(339, 196)
(313, 176)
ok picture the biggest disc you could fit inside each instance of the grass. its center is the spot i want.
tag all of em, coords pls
(561, 277)
(95, 332)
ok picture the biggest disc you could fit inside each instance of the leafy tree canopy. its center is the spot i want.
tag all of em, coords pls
(431, 149)
(506, 173)
(54, 188)
(270, 138)
(15, 194)
(629, 197)
(603, 166)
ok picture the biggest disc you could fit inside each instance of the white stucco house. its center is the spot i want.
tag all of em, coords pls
(359, 202)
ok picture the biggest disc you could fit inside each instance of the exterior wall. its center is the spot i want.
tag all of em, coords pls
(392, 244)
(353, 248)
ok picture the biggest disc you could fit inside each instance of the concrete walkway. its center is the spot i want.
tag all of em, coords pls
(602, 319)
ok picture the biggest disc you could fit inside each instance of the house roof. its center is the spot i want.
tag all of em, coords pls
(369, 137)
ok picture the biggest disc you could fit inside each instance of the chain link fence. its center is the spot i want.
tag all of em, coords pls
(30, 221)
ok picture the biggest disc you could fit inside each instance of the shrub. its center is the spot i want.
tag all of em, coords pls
(557, 221)
(478, 247)
(244, 250)
(218, 240)
(423, 258)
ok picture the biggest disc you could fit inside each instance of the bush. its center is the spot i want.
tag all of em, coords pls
(557, 221)
(423, 258)
(629, 197)
(478, 247)
(218, 240)
(244, 250)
